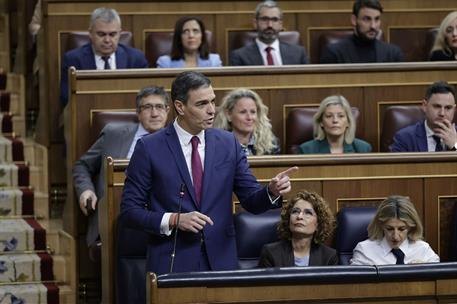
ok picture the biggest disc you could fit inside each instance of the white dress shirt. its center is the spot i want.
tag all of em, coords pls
(100, 63)
(140, 132)
(275, 52)
(431, 143)
(184, 140)
(378, 252)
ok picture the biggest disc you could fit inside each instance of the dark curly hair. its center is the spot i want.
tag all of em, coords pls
(325, 220)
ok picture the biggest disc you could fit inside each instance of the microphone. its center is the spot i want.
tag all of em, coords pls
(173, 253)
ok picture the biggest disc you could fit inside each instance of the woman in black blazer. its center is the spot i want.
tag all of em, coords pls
(306, 222)
(445, 46)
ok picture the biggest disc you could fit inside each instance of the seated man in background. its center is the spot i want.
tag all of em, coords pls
(104, 52)
(364, 46)
(437, 132)
(267, 49)
(117, 140)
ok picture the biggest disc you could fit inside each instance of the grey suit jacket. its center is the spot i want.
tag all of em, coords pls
(115, 140)
(250, 55)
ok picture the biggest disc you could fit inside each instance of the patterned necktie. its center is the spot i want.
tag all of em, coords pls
(439, 146)
(399, 255)
(106, 60)
(197, 169)
(269, 56)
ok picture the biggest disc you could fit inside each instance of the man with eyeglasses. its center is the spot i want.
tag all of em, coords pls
(104, 52)
(267, 49)
(117, 140)
(364, 46)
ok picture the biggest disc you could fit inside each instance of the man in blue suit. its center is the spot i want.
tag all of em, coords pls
(179, 184)
(104, 52)
(437, 132)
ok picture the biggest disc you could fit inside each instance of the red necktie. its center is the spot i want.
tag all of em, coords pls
(269, 56)
(197, 169)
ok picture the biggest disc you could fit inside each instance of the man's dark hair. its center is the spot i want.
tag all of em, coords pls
(439, 87)
(185, 82)
(151, 90)
(359, 4)
(177, 49)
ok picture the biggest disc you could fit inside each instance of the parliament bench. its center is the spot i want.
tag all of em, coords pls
(425, 283)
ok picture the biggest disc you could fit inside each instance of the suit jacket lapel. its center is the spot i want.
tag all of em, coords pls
(126, 137)
(283, 50)
(89, 58)
(421, 137)
(175, 148)
(254, 55)
(121, 58)
(210, 145)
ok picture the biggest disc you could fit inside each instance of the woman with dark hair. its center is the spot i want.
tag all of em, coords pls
(190, 47)
(395, 236)
(306, 222)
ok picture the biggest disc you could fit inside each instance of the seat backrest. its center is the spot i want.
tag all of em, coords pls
(252, 232)
(396, 118)
(160, 43)
(99, 119)
(237, 39)
(299, 127)
(131, 254)
(415, 43)
(77, 39)
(352, 229)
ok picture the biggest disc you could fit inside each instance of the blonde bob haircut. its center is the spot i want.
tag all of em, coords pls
(396, 207)
(264, 138)
(319, 132)
(440, 40)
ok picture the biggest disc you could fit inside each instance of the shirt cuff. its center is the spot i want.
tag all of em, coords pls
(272, 200)
(164, 224)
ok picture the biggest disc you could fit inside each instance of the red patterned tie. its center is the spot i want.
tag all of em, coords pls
(269, 56)
(197, 169)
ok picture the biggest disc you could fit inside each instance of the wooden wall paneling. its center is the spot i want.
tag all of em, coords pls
(447, 228)
(439, 196)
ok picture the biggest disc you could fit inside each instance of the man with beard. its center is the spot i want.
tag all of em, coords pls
(437, 132)
(267, 49)
(363, 46)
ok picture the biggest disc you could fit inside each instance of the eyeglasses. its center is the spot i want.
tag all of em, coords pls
(149, 107)
(307, 212)
(266, 19)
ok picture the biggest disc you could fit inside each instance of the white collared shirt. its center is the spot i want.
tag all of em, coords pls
(100, 63)
(378, 252)
(431, 143)
(140, 132)
(275, 52)
(184, 138)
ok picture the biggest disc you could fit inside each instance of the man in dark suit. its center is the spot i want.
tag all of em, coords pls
(437, 132)
(117, 140)
(181, 180)
(104, 52)
(363, 46)
(267, 49)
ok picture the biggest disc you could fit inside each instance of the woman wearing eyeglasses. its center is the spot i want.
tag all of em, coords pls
(445, 46)
(190, 47)
(306, 222)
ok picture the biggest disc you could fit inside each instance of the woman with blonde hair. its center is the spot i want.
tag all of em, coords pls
(334, 129)
(243, 113)
(445, 46)
(306, 222)
(395, 236)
